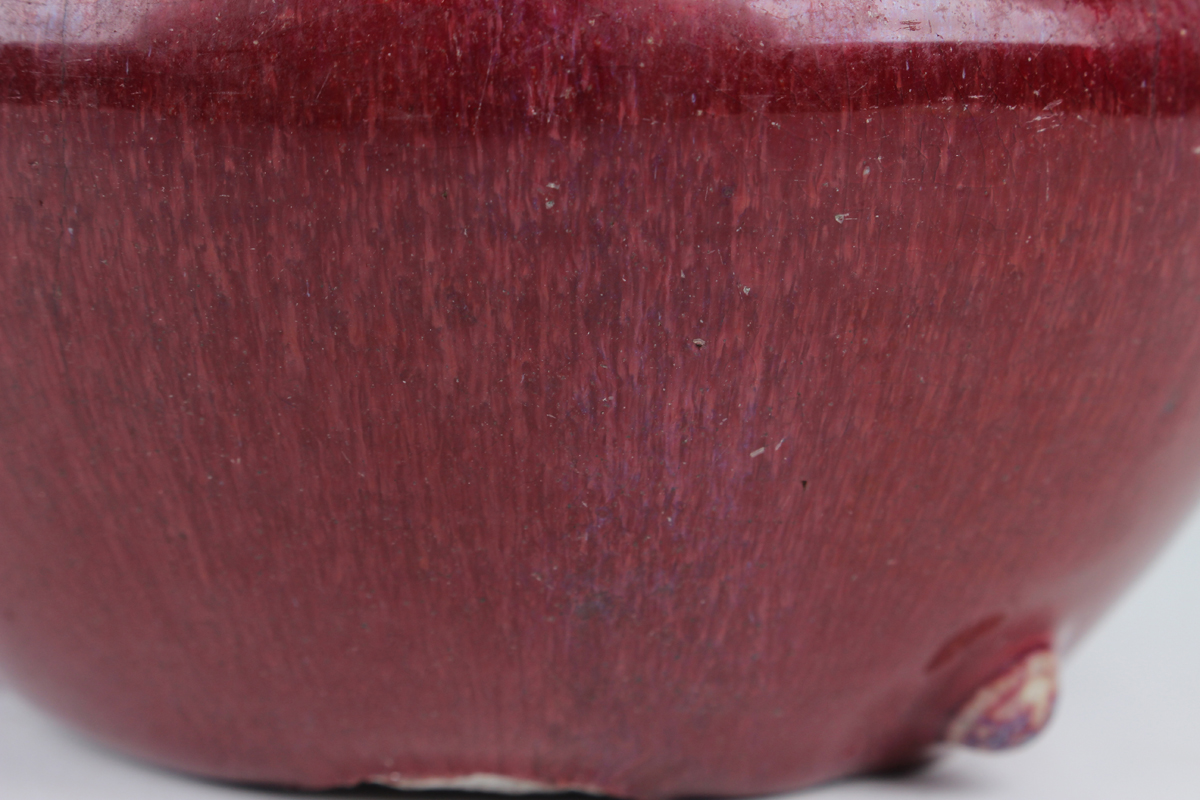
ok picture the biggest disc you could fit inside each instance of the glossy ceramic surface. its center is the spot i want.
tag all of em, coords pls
(662, 399)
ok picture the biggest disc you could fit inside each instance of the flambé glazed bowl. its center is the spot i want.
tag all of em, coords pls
(648, 398)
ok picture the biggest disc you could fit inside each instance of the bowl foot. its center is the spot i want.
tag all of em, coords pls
(1012, 708)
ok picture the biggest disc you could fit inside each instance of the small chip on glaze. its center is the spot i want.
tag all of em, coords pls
(1011, 709)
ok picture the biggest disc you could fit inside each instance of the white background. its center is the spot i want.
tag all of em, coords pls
(1127, 726)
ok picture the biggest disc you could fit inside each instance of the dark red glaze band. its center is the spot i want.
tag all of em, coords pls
(664, 398)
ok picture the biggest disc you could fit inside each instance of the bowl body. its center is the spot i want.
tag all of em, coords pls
(655, 399)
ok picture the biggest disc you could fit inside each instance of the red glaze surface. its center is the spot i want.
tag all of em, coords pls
(676, 398)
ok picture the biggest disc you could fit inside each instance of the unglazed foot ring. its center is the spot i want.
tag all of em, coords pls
(479, 782)
(1011, 709)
